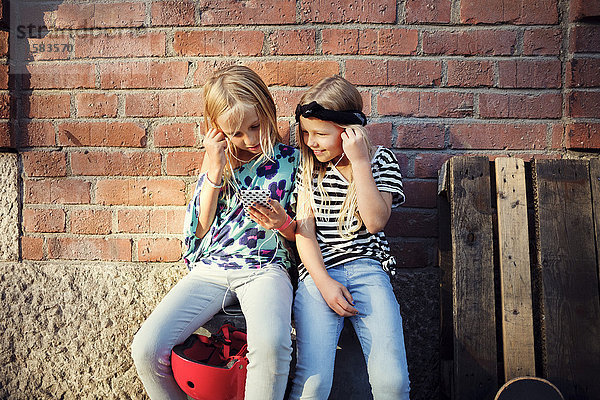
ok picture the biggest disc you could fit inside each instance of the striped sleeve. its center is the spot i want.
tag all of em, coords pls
(387, 175)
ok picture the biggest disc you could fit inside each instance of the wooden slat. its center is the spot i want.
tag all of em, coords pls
(567, 258)
(515, 276)
(475, 358)
(445, 263)
(595, 180)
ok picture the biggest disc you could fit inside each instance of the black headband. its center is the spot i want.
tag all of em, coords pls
(315, 110)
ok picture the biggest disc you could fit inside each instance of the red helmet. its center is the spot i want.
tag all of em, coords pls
(212, 368)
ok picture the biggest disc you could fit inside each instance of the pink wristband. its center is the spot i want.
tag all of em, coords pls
(287, 223)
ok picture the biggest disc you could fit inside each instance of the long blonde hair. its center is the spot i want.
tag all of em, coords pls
(233, 90)
(337, 94)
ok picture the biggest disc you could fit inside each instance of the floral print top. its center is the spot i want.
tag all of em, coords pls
(234, 241)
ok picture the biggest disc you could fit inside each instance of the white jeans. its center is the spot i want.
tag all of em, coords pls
(265, 296)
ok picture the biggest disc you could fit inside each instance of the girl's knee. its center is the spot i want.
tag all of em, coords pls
(146, 352)
(390, 386)
(272, 345)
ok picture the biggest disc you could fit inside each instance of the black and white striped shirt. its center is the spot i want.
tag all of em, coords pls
(337, 250)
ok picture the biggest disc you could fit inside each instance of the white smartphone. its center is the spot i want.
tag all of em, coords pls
(254, 196)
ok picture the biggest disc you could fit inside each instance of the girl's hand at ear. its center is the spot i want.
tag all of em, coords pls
(215, 145)
(354, 145)
(268, 218)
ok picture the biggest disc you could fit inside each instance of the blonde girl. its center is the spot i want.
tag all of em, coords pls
(233, 253)
(346, 190)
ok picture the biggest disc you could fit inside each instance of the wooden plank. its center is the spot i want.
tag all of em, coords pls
(475, 358)
(515, 276)
(595, 181)
(567, 258)
(445, 264)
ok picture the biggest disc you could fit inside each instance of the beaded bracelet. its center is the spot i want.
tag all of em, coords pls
(212, 184)
(287, 223)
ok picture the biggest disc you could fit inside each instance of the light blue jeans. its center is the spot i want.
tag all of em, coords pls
(378, 327)
(265, 296)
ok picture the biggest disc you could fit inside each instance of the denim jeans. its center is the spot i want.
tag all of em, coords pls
(265, 296)
(378, 327)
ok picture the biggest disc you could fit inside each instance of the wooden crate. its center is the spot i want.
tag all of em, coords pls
(518, 249)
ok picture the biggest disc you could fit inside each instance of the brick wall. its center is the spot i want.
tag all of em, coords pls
(110, 127)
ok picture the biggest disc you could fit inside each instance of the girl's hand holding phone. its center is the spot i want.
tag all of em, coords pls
(354, 145)
(269, 218)
(215, 145)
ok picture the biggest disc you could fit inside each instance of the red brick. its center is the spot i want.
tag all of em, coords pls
(57, 191)
(50, 47)
(412, 223)
(403, 161)
(583, 135)
(293, 42)
(294, 73)
(141, 192)
(284, 131)
(97, 163)
(368, 42)
(34, 134)
(159, 250)
(206, 69)
(113, 15)
(425, 104)
(167, 221)
(32, 248)
(420, 194)
(143, 74)
(481, 42)
(420, 136)
(6, 136)
(44, 220)
(367, 71)
(218, 43)
(380, 134)
(585, 39)
(498, 136)
(175, 135)
(545, 42)
(543, 74)
(539, 12)
(583, 72)
(580, 9)
(558, 136)
(414, 253)
(397, 41)
(286, 101)
(584, 104)
(117, 134)
(546, 105)
(59, 76)
(184, 162)
(120, 45)
(3, 76)
(340, 41)
(414, 72)
(337, 11)
(151, 220)
(173, 13)
(91, 222)
(3, 43)
(5, 109)
(180, 103)
(47, 105)
(96, 105)
(427, 165)
(105, 249)
(44, 163)
(470, 73)
(236, 12)
(423, 11)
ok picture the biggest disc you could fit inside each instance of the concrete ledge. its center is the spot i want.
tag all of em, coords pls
(9, 207)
